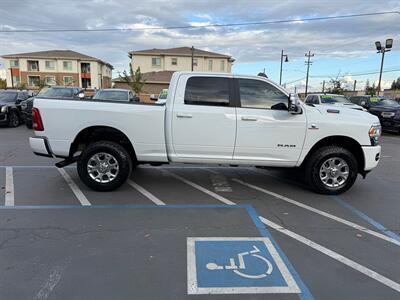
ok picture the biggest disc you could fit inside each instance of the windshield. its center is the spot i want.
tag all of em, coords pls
(111, 95)
(334, 99)
(163, 94)
(383, 102)
(55, 93)
(6, 97)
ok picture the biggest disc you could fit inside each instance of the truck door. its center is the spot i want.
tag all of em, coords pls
(266, 132)
(204, 118)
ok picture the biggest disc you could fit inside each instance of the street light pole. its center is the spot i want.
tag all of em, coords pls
(383, 49)
(286, 60)
(192, 58)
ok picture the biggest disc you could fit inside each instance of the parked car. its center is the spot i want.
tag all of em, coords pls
(331, 99)
(10, 112)
(366, 101)
(209, 118)
(116, 95)
(56, 92)
(162, 98)
(388, 112)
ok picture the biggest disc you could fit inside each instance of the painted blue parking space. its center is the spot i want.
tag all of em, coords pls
(226, 265)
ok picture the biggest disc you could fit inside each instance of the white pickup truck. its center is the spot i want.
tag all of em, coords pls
(209, 118)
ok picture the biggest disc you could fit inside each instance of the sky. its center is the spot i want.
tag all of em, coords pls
(342, 48)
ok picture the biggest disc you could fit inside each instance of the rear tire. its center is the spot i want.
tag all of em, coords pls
(13, 119)
(331, 170)
(104, 166)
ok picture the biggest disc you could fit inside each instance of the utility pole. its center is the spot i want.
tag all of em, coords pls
(308, 63)
(286, 60)
(192, 58)
(323, 86)
(354, 87)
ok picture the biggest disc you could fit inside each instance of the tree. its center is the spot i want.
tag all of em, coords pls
(3, 84)
(134, 80)
(335, 86)
(370, 90)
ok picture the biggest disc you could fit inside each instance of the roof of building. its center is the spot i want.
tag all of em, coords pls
(180, 51)
(154, 77)
(56, 54)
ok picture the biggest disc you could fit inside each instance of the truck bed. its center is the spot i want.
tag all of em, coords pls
(143, 122)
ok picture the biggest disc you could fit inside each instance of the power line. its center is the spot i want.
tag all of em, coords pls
(199, 26)
(355, 74)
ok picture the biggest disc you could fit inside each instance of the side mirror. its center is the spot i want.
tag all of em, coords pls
(294, 104)
(81, 95)
(153, 97)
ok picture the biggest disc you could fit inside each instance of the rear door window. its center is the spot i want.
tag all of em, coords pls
(212, 91)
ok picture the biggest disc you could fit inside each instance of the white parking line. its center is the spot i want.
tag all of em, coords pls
(145, 192)
(9, 192)
(200, 188)
(320, 212)
(338, 257)
(75, 189)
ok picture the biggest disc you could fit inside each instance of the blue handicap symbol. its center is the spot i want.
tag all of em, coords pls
(236, 263)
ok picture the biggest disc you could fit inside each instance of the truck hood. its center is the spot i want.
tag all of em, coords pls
(344, 113)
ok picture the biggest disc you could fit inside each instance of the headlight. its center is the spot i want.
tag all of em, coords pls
(374, 133)
(4, 109)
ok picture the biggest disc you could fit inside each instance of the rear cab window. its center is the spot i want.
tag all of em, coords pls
(209, 91)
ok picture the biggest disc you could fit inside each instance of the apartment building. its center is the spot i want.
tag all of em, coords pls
(180, 59)
(56, 67)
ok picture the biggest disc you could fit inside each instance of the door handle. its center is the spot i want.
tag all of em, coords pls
(187, 116)
(249, 118)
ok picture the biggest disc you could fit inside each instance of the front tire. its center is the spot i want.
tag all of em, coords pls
(331, 170)
(13, 119)
(104, 166)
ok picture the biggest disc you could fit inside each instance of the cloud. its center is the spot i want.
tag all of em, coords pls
(336, 38)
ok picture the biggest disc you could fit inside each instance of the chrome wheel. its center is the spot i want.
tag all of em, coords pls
(103, 167)
(334, 172)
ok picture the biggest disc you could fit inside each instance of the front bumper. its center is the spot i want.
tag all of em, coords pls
(390, 124)
(372, 155)
(40, 146)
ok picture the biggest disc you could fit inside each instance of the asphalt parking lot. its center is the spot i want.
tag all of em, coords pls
(60, 240)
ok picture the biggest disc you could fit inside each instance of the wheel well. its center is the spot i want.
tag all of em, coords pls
(342, 141)
(101, 133)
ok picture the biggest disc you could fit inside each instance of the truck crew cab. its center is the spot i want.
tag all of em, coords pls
(209, 118)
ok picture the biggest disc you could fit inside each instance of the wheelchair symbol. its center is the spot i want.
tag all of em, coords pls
(242, 266)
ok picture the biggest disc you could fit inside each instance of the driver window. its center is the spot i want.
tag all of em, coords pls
(260, 94)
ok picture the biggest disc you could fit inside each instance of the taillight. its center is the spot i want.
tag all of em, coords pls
(37, 123)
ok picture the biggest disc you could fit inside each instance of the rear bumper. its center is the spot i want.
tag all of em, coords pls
(40, 146)
(372, 155)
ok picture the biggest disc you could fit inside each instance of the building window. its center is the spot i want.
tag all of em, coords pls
(210, 65)
(67, 65)
(68, 80)
(85, 68)
(33, 65)
(156, 61)
(33, 81)
(222, 65)
(51, 80)
(50, 65)
(16, 80)
(14, 63)
(174, 61)
(194, 62)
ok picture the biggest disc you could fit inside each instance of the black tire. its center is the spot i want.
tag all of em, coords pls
(13, 119)
(28, 124)
(318, 158)
(118, 152)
